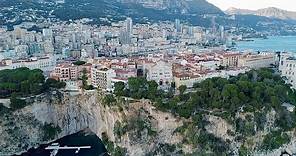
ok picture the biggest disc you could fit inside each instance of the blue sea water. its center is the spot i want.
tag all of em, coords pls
(273, 43)
(77, 139)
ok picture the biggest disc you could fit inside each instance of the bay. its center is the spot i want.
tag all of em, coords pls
(82, 138)
(273, 44)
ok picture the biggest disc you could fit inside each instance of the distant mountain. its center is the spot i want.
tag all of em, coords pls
(104, 12)
(178, 6)
(113, 10)
(271, 12)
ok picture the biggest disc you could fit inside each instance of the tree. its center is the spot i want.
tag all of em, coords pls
(119, 88)
(52, 83)
(182, 89)
(50, 131)
(173, 85)
(22, 81)
(152, 89)
(274, 140)
(16, 103)
(84, 77)
(79, 63)
(109, 99)
(138, 87)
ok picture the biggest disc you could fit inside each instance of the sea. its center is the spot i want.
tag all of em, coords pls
(82, 138)
(272, 44)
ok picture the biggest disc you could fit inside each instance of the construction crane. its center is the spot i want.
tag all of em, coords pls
(56, 147)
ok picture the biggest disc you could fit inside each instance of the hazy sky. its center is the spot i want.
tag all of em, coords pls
(255, 4)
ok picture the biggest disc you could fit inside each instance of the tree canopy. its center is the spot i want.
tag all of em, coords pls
(79, 63)
(22, 81)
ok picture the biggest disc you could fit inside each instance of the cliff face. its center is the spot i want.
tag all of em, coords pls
(73, 114)
(79, 112)
(142, 130)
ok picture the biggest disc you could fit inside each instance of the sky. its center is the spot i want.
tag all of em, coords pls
(255, 4)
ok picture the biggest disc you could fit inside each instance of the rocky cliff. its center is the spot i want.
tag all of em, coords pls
(135, 126)
(23, 129)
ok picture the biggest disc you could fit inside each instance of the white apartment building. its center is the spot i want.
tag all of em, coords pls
(287, 67)
(46, 64)
(160, 72)
(101, 77)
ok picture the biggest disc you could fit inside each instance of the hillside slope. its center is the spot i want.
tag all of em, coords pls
(271, 12)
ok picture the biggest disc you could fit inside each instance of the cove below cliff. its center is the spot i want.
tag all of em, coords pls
(82, 138)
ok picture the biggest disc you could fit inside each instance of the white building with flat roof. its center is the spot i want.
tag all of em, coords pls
(287, 68)
(101, 77)
(46, 64)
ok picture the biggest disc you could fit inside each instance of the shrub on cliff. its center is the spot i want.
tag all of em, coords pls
(16, 103)
(274, 140)
(120, 129)
(52, 83)
(109, 99)
(50, 131)
(111, 147)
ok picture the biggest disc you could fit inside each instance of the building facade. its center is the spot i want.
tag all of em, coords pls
(160, 72)
(287, 68)
(101, 77)
(257, 61)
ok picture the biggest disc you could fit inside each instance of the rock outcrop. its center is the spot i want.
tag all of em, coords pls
(86, 111)
(144, 129)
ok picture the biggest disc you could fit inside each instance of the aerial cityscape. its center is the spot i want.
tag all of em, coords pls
(146, 77)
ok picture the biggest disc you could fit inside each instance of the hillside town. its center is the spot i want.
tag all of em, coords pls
(147, 77)
(171, 54)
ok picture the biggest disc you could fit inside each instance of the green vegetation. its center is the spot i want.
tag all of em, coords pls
(3, 110)
(164, 149)
(243, 151)
(136, 125)
(138, 88)
(52, 83)
(50, 131)
(84, 79)
(254, 94)
(182, 89)
(21, 81)
(119, 89)
(275, 140)
(109, 99)
(114, 151)
(208, 142)
(79, 63)
(139, 124)
(247, 128)
(17, 103)
(25, 82)
(251, 92)
(120, 129)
